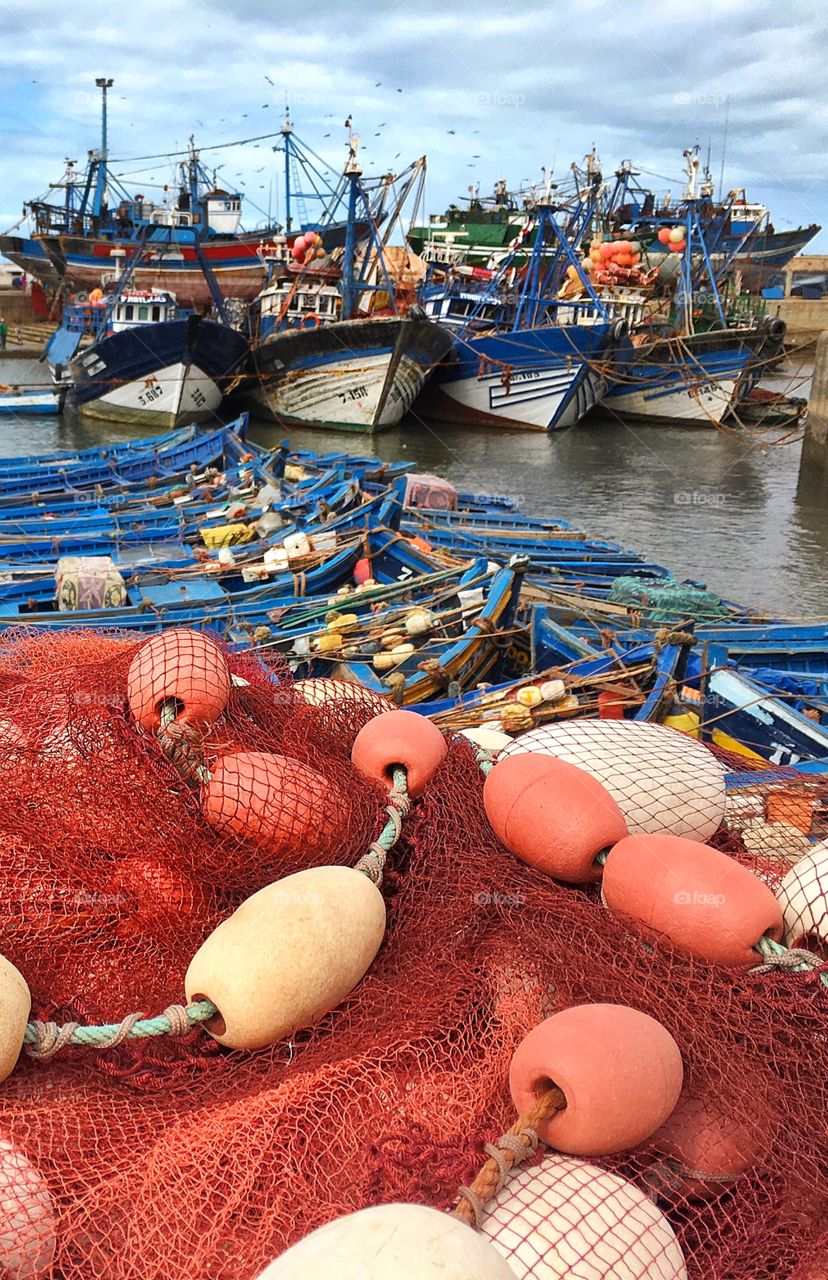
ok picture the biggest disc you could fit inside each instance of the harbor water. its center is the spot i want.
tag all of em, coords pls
(709, 504)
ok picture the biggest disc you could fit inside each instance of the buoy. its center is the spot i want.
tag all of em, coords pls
(620, 1070)
(664, 235)
(297, 545)
(328, 641)
(15, 1007)
(345, 622)
(564, 1218)
(28, 1236)
(318, 691)
(184, 666)
(392, 1242)
(492, 740)
(552, 815)
(778, 840)
(288, 955)
(706, 902)
(705, 1145)
(400, 738)
(663, 781)
(515, 718)
(803, 900)
(530, 696)
(273, 802)
(677, 234)
(553, 690)
(419, 621)
(362, 570)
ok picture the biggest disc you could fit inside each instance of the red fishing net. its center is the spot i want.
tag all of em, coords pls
(174, 1159)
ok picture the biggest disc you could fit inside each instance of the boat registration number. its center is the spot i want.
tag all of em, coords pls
(150, 394)
(353, 393)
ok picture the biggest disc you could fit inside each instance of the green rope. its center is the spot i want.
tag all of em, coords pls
(372, 864)
(47, 1038)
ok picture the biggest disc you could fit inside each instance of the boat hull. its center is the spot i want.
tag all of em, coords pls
(165, 375)
(535, 379)
(697, 380)
(361, 375)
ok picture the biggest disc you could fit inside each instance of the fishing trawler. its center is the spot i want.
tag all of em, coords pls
(532, 346)
(694, 354)
(73, 241)
(150, 362)
(342, 341)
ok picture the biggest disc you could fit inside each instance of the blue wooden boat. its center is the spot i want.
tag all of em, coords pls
(523, 357)
(28, 400)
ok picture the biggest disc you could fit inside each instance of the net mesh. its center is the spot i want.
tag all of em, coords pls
(174, 1158)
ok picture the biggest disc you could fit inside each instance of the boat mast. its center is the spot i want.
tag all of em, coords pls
(286, 132)
(100, 160)
(353, 173)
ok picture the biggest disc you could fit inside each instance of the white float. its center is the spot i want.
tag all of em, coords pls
(803, 897)
(489, 739)
(663, 780)
(321, 692)
(27, 1218)
(392, 1242)
(566, 1218)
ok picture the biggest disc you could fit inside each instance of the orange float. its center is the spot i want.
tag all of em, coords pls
(273, 802)
(707, 1144)
(552, 815)
(185, 666)
(620, 1071)
(362, 571)
(399, 738)
(703, 900)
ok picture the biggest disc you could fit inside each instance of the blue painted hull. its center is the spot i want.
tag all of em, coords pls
(538, 379)
(166, 374)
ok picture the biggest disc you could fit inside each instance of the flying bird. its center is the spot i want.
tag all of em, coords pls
(451, 130)
(399, 91)
(377, 85)
(326, 135)
(269, 81)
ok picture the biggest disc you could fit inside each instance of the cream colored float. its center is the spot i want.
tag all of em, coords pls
(392, 1242)
(566, 1218)
(28, 1236)
(287, 955)
(492, 740)
(663, 781)
(803, 897)
(15, 1007)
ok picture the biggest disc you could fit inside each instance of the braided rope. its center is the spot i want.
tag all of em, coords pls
(372, 863)
(511, 1149)
(788, 959)
(44, 1039)
(180, 743)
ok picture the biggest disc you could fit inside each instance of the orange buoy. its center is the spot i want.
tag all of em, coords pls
(620, 1071)
(706, 1144)
(703, 900)
(185, 666)
(399, 738)
(273, 802)
(552, 815)
(664, 235)
(362, 570)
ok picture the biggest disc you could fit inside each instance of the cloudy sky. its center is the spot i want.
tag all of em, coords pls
(487, 88)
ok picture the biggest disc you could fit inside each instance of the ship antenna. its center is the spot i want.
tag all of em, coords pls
(724, 144)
